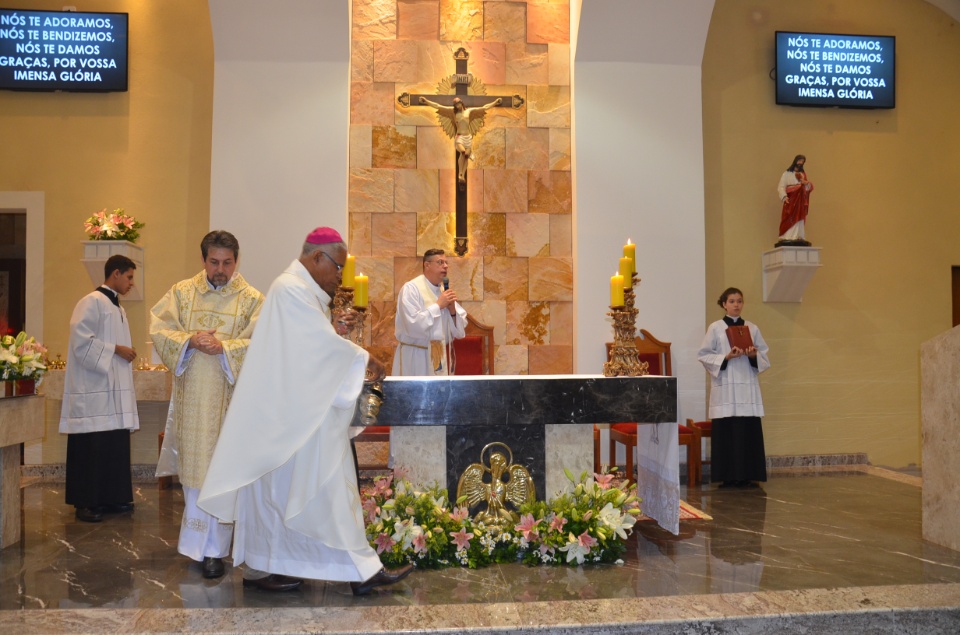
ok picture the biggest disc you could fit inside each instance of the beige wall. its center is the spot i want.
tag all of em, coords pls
(146, 150)
(845, 374)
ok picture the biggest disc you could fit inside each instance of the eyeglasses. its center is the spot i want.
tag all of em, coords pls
(439, 263)
(339, 267)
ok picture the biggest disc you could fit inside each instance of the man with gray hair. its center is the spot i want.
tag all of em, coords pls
(283, 470)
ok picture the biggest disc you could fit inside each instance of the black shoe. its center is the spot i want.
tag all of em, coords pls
(274, 582)
(118, 509)
(212, 567)
(89, 514)
(382, 578)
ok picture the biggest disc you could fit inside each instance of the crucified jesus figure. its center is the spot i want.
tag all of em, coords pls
(463, 124)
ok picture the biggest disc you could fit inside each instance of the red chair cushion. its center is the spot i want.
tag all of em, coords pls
(684, 429)
(653, 362)
(376, 430)
(469, 355)
(704, 426)
(625, 428)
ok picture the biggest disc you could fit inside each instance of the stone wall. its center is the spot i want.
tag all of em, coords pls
(518, 273)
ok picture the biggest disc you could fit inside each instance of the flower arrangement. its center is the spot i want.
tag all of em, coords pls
(115, 225)
(21, 357)
(590, 524)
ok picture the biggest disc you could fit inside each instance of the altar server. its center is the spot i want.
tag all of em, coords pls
(283, 469)
(99, 410)
(737, 448)
(201, 329)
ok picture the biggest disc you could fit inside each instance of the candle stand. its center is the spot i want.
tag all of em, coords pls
(624, 360)
(342, 301)
(361, 312)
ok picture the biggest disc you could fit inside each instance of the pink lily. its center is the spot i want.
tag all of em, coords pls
(557, 523)
(461, 539)
(371, 508)
(528, 527)
(420, 543)
(384, 542)
(586, 540)
(382, 486)
(604, 481)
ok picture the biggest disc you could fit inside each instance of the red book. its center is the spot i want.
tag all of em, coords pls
(739, 337)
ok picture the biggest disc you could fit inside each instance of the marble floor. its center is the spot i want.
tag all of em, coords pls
(812, 551)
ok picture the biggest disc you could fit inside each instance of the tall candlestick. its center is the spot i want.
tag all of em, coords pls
(630, 251)
(360, 290)
(349, 271)
(626, 270)
(616, 290)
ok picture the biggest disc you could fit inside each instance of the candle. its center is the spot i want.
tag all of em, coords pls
(349, 270)
(616, 290)
(360, 290)
(626, 270)
(630, 251)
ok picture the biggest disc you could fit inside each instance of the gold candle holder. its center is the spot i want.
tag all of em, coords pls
(343, 300)
(361, 318)
(342, 305)
(624, 359)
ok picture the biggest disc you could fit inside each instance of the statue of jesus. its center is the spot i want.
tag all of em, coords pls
(461, 123)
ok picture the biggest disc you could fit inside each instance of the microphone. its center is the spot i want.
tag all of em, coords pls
(446, 283)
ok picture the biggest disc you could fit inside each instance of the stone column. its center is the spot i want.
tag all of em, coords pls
(940, 412)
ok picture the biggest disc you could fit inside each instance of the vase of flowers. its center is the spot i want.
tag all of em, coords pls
(422, 526)
(21, 365)
(110, 234)
(115, 225)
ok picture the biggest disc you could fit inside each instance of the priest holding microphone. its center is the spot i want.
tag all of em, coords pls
(428, 319)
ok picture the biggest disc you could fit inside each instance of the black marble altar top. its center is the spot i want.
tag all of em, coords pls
(526, 400)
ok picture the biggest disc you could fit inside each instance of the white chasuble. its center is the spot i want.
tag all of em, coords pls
(283, 469)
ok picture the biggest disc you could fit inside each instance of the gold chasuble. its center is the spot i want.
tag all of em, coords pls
(202, 392)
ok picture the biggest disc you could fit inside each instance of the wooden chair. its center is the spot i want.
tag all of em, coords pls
(657, 356)
(706, 432)
(473, 354)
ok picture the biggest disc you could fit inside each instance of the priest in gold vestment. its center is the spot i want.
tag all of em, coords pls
(201, 329)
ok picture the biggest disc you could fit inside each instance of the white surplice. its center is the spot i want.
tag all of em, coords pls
(734, 392)
(98, 392)
(283, 469)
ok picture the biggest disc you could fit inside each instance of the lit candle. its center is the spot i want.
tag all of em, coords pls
(630, 251)
(616, 290)
(349, 270)
(626, 270)
(360, 290)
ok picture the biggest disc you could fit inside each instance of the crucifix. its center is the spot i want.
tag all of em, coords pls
(461, 102)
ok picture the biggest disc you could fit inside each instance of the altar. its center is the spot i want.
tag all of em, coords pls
(21, 420)
(443, 423)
